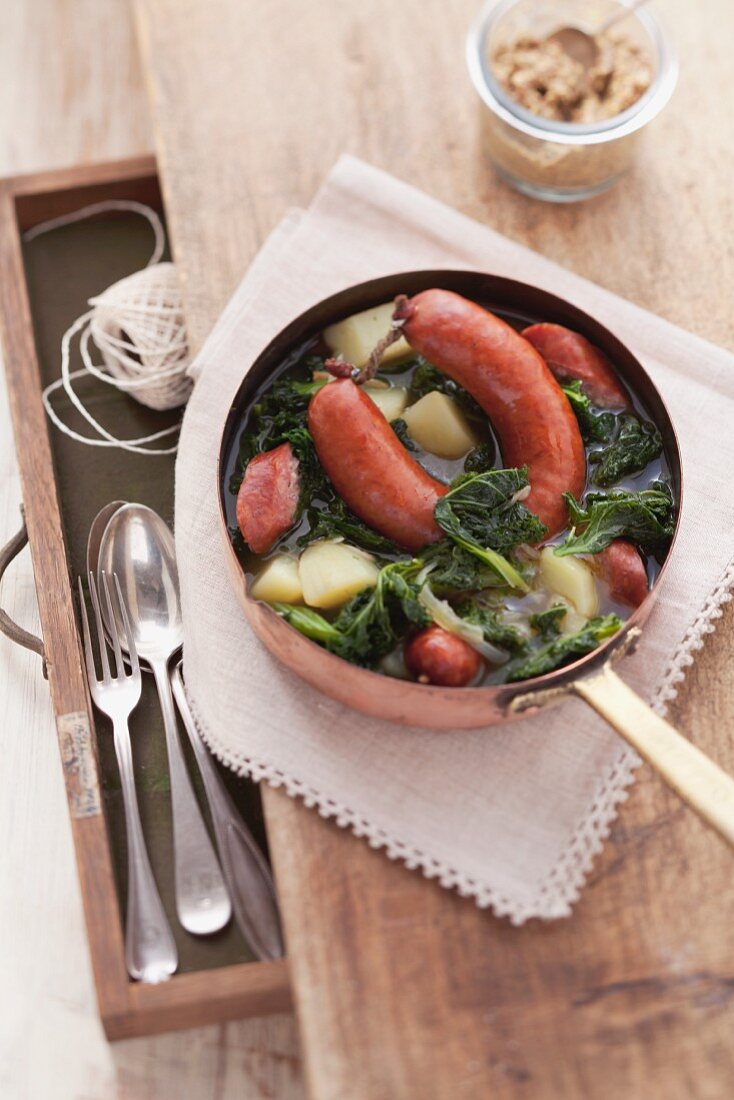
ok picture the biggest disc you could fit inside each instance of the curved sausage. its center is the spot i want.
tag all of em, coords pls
(507, 376)
(435, 656)
(621, 566)
(570, 356)
(267, 503)
(369, 467)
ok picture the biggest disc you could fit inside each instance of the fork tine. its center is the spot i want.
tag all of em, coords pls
(113, 631)
(134, 662)
(106, 676)
(88, 651)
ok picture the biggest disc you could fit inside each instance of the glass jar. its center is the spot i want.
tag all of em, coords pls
(548, 159)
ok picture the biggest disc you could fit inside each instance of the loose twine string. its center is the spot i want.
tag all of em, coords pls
(138, 326)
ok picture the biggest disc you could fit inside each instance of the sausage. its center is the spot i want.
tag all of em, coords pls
(510, 380)
(570, 356)
(621, 566)
(369, 467)
(267, 503)
(435, 656)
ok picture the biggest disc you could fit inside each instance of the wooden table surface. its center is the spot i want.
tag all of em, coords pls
(402, 989)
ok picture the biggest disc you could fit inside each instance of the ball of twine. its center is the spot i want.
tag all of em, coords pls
(138, 327)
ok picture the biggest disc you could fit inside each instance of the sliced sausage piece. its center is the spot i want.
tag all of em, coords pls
(621, 566)
(571, 357)
(435, 656)
(510, 380)
(370, 468)
(267, 503)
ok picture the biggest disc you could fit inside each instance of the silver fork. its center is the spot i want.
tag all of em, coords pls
(150, 950)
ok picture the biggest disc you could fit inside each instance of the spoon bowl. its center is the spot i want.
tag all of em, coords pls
(582, 46)
(138, 546)
(94, 541)
(577, 44)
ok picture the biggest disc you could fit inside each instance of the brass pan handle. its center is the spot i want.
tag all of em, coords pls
(11, 629)
(698, 780)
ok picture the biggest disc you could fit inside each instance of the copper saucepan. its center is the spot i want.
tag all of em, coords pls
(696, 778)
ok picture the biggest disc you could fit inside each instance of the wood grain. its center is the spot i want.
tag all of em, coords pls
(255, 103)
(71, 91)
(402, 989)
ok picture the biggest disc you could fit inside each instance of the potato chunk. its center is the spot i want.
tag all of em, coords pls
(355, 337)
(390, 400)
(571, 578)
(332, 572)
(278, 582)
(437, 423)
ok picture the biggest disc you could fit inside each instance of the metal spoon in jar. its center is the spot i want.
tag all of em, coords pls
(138, 546)
(583, 47)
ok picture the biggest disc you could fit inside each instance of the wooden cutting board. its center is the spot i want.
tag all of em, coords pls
(402, 989)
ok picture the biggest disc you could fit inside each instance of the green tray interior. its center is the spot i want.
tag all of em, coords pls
(64, 268)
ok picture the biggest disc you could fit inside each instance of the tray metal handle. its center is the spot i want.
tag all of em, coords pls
(9, 628)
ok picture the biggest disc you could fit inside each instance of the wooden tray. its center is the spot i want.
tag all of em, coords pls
(44, 286)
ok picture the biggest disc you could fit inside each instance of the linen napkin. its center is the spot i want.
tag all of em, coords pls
(513, 815)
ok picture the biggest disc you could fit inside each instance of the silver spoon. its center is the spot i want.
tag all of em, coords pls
(582, 46)
(138, 546)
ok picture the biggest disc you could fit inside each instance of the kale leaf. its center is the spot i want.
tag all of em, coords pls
(481, 459)
(309, 387)
(401, 431)
(374, 620)
(454, 569)
(548, 622)
(631, 443)
(658, 498)
(332, 519)
(481, 514)
(366, 631)
(311, 477)
(369, 626)
(646, 518)
(595, 426)
(564, 649)
(283, 408)
(495, 630)
(637, 443)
